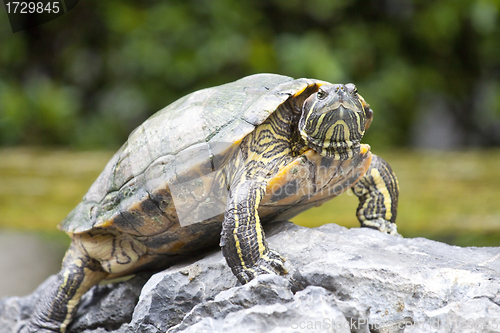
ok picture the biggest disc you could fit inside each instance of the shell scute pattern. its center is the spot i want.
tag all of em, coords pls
(163, 148)
(213, 168)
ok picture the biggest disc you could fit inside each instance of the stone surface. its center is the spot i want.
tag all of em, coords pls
(340, 280)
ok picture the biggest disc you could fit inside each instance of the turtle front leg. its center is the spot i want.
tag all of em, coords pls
(242, 238)
(378, 193)
(58, 303)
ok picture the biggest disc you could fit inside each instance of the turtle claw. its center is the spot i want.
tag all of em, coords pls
(29, 328)
(382, 226)
(274, 261)
(270, 263)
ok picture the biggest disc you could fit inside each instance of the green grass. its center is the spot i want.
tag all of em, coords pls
(447, 196)
(38, 188)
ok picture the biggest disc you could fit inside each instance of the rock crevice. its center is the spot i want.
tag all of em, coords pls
(340, 280)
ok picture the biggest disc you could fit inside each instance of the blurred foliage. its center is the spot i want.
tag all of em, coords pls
(446, 196)
(89, 77)
(451, 197)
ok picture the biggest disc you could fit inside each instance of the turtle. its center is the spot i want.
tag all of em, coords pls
(210, 170)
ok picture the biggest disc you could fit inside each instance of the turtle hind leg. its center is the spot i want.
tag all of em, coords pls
(58, 303)
(378, 194)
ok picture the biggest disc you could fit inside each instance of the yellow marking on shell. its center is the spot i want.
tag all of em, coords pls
(331, 178)
(177, 245)
(306, 86)
(300, 91)
(380, 184)
(106, 224)
(282, 176)
(296, 172)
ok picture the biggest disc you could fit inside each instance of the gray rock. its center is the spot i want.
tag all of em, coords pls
(340, 280)
(108, 306)
(170, 295)
(266, 304)
(15, 310)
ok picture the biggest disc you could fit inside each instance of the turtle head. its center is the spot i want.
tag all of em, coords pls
(334, 119)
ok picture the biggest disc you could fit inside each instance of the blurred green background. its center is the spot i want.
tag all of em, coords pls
(72, 90)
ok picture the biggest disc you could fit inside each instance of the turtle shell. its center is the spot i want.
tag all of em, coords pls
(195, 134)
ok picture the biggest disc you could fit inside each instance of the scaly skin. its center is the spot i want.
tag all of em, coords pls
(262, 154)
(378, 193)
(58, 303)
(333, 122)
(319, 138)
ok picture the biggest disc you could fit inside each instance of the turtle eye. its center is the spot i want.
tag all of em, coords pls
(322, 94)
(351, 88)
